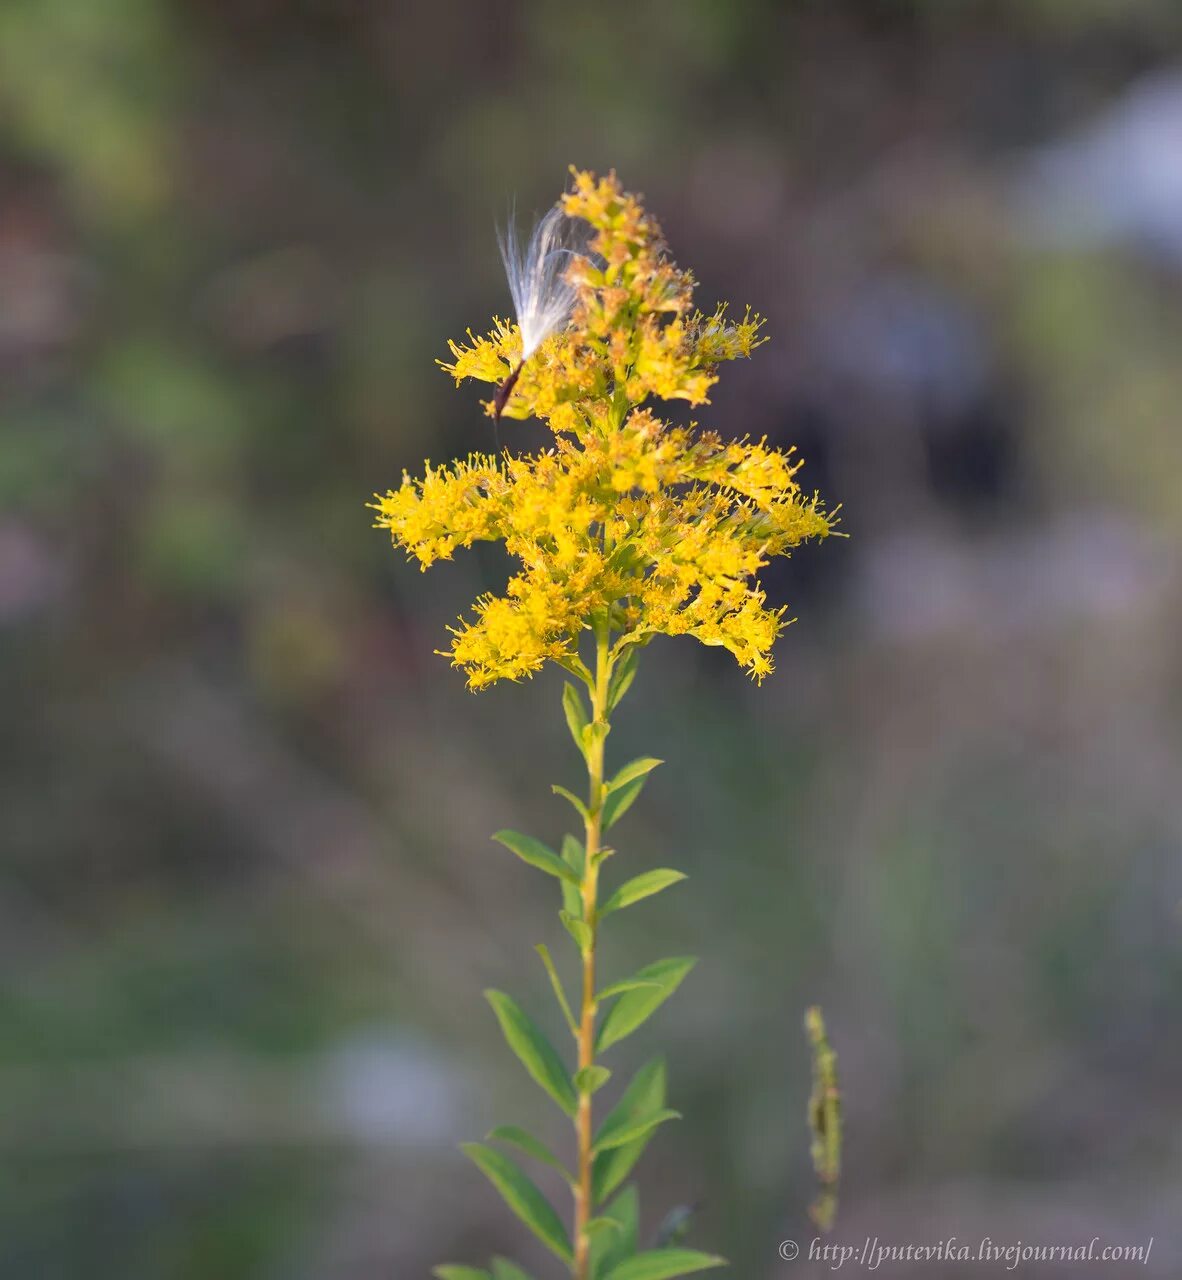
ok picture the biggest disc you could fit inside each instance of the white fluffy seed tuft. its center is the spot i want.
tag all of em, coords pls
(542, 298)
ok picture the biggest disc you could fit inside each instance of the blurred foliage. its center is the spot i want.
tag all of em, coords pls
(246, 895)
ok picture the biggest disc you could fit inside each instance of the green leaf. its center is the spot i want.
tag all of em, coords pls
(576, 714)
(537, 1054)
(594, 735)
(640, 887)
(579, 807)
(637, 769)
(452, 1271)
(523, 1197)
(636, 1006)
(525, 1141)
(662, 1264)
(607, 1250)
(629, 1128)
(536, 854)
(592, 1078)
(597, 1226)
(620, 801)
(623, 675)
(643, 1096)
(572, 855)
(556, 984)
(503, 1269)
(578, 929)
(618, 988)
(577, 667)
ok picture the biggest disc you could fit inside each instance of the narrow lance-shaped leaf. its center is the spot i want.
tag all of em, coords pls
(522, 1195)
(556, 985)
(573, 800)
(576, 714)
(630, 772)
(629, 1128)
(578, 929)
(602, 1226)
(620, 801)
(663, 1264)
(640, 887)
(623, 675)
(503, 1269)
(452, 1271)
(525, 1141)
(608, 1249)
(628, 984)
(572, 855)
(536, 854)
(643, 1096)
(577, 667)
(636, 1006)
(537, 1054)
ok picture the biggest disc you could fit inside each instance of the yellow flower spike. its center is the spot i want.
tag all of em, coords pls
(664, 529)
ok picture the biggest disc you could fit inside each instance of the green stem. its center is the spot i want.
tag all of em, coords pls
(584, 1208)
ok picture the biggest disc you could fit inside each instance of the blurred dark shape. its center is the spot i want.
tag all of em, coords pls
(31, 575)
(905, 340)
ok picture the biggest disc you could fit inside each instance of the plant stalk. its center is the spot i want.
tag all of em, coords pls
(584, 1207)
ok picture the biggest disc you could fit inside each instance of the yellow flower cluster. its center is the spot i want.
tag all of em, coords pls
(652, 528)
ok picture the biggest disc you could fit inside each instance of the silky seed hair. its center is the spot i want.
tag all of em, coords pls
(543, 299)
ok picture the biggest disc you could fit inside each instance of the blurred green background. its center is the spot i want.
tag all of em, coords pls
(248, 901)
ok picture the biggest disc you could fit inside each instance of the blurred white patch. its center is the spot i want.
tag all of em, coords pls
(1117, 182)
(1094, 566)
(391, 1088)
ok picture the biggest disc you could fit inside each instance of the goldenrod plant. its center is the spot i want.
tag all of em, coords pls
(824, 1120)
(626, 528)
